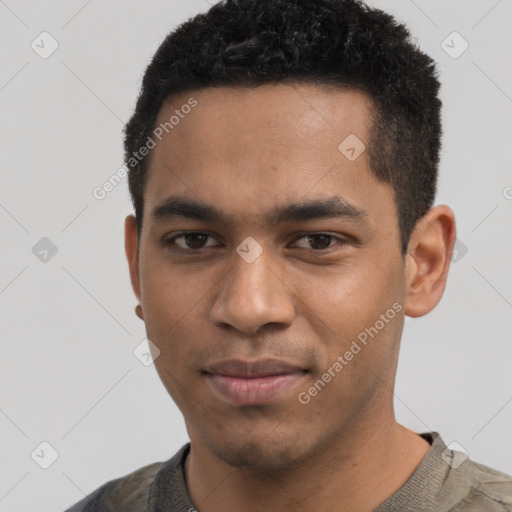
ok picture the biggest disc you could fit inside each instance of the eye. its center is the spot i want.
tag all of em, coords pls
(195, 241)
(321, 241)
(189, 241)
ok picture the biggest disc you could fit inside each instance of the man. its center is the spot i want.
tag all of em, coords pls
(283, 166)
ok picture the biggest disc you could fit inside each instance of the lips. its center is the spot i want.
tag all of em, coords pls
(260, 368)
(253, 383)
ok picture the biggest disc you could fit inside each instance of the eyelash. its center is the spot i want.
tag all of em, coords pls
(170, 242)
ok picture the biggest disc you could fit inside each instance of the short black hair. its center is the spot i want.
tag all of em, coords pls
(247, 43)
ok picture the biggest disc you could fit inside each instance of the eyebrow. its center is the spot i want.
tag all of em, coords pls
(333, 207)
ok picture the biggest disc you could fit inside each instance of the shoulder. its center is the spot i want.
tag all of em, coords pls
(134, 491)
(128, 493)
(491, 490)
(449, 480)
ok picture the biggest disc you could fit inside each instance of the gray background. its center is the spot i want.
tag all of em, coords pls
(68, 373)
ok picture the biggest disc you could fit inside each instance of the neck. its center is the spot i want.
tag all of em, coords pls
(357, 472)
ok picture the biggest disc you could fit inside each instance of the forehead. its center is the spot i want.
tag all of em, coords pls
(272, 116)
(247, 149)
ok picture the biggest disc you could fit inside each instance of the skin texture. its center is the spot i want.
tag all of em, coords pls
(246, 151)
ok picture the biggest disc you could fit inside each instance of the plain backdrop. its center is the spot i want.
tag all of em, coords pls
(68, 373)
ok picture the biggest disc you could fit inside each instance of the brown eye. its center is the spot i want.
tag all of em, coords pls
(190, 241)
(320, 241)
(195, 241)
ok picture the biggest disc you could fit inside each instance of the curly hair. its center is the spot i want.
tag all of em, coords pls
(323, 42)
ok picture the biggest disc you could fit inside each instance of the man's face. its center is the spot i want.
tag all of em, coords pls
(304, 300)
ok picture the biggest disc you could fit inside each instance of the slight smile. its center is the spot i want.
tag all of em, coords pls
(253, 383)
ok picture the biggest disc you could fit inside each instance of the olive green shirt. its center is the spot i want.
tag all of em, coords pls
(445, 480)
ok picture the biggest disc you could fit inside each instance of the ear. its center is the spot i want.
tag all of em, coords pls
(428, 259)
(131, 247)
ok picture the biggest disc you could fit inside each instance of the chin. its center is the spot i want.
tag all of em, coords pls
(265, 453)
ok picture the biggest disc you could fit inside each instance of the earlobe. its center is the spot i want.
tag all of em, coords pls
(428, 260)
(132, 253)
(139, 312)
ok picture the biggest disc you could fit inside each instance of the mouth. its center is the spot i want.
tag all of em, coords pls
(253, 383)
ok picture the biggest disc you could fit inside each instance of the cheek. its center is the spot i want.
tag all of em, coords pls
(173, 313)
(344, 307)
(179, 341)
(170, 292)
(340, 298)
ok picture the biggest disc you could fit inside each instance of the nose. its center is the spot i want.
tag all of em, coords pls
(252, 295)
